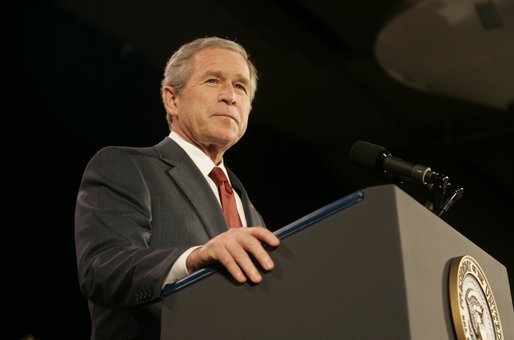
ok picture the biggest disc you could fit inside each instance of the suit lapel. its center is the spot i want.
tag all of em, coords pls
(190, 180)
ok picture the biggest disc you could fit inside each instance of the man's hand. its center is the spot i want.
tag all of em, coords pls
(232, 249)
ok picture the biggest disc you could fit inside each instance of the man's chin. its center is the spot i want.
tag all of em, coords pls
(225, 136)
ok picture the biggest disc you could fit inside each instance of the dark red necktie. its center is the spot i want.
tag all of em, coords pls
(228, 200)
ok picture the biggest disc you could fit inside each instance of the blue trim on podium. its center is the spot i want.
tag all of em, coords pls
(286, 231)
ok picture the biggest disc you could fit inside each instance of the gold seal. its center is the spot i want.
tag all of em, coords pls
(474, 311)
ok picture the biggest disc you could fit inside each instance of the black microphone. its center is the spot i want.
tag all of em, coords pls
(378, 158)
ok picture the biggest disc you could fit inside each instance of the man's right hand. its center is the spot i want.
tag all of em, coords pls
(232, 249)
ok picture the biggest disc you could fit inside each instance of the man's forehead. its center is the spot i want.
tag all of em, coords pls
(219, 60)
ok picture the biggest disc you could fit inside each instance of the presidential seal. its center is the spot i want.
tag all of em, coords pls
(474, 311)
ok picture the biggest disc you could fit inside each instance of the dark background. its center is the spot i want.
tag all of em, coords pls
(88, 74)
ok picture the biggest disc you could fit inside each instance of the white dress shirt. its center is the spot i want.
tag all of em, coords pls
(205, 165)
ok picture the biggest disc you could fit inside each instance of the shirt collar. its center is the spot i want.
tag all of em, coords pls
(202, 161)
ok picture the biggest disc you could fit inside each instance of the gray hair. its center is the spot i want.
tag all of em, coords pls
(178, 68)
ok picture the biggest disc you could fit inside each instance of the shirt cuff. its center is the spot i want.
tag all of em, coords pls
(179, 268)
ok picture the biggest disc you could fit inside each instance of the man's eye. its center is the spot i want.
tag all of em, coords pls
(241, 87)
(212, 81)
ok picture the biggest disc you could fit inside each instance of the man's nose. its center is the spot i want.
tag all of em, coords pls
(227, 94)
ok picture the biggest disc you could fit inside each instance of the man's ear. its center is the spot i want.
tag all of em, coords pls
(169, 98)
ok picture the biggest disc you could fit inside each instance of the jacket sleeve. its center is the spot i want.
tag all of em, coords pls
(113, 228)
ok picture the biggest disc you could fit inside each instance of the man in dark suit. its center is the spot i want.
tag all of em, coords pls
(146, 217)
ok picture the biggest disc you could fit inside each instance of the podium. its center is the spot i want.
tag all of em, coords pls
(372, 265)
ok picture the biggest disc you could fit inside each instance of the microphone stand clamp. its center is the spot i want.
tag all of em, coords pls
(442, 193)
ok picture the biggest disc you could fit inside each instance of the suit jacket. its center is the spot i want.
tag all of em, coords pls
(137, 210)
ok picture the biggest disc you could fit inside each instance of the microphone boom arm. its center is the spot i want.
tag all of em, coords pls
(442, 194)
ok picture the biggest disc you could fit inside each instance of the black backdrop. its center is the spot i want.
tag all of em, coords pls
(77, 90)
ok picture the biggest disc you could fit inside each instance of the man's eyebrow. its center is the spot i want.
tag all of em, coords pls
(244, 80)
(218, 74)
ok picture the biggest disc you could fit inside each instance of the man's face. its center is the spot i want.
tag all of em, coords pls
(212, 110)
